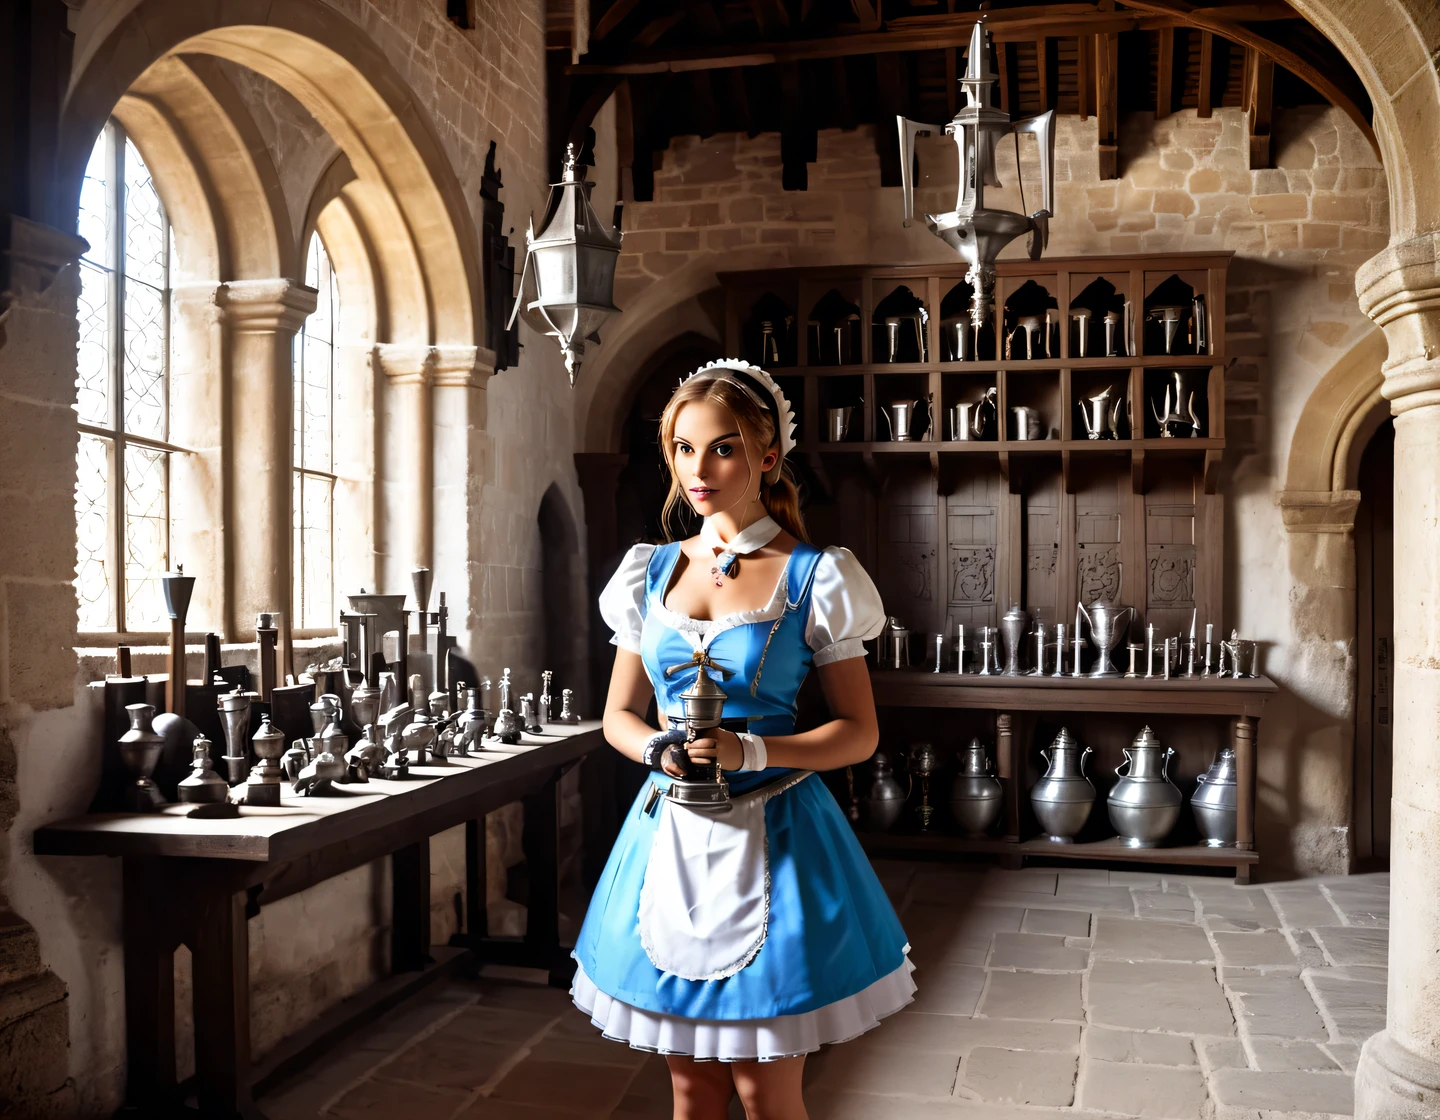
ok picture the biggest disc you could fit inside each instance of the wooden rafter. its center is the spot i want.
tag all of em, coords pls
(1205, 97)
(1262, 107)
(614, 16)
(1107, 103)
(1164, 73)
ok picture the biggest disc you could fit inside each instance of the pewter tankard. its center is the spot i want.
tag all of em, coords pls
(967, 418)
(1027, 423)
(837, 426)
(1108, 626)
(900, 418)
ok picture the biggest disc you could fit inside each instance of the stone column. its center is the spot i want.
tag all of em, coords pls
(1399, 1070)
(261, 318)
(406, 459)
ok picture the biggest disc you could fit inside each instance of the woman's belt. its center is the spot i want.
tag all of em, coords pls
(759, 725)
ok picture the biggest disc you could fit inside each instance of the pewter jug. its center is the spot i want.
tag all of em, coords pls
(1102, 417)
(901, 419)
(956, 332)
(894, 648)
(967, 418)
(1027, 423)
(1214, 801)
(1108, 627)
(1062, 799)
(140, 750)
(1179, 417)
(1144, 804)
(263, 785)
(881, 807)
(1012, 630)
(1169, 318)
(837, 423)
(203, 786)
(975, 797)
(1242, 654)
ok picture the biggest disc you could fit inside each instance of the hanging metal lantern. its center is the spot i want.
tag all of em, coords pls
(568, 283)
(975, 231)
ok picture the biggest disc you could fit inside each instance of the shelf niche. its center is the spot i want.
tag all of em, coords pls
(1032, 328)
(1177, 316)
(1101, 297)
(768, 337)
(957, 331)
(834, 331)
(900, 328)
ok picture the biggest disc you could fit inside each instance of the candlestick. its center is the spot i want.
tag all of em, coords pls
(1167, 657)
(960, 651)
(939, 652)
(1076, 645)
(1149, 651)
(1059, 650)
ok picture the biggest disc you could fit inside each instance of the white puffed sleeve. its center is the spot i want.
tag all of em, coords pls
(845, 608)
(622, 600)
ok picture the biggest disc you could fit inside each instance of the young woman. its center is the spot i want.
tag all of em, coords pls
(736, 942)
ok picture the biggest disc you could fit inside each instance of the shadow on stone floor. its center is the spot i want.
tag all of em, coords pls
(1042, 992)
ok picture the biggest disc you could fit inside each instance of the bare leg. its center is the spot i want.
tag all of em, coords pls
(702, 1089)
(771, 1090)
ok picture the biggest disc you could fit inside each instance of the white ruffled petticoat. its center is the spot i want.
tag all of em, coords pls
(746, 1040)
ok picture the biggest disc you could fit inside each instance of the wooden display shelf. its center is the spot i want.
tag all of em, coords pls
(1012, 365)
(1109, 850)
(1112, 447)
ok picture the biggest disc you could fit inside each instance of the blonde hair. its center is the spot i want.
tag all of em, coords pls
(778, 492)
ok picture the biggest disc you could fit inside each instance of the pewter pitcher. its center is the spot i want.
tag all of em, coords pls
(1027, 422)
(1102, 417)
(1144, 804)
(1179, 417)
(837, 423)
(881, 807)
(976, 796)
(901, 419)
(1108, 627)
(967, 418)
(1214, 801)
(1062, 799)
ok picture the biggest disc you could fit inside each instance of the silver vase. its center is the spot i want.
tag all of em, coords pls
(975, 796)
(140, 750)
(1214, 802)
(1012, 630)
(1062, 799)
(881, 807)
(1144, 804)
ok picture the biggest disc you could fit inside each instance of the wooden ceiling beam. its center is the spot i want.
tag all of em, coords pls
(1043, 58)
(1164, 72)
(614, 16)
(1205, 96)
(1107, 103)
(1262, 109)
(1084, 82)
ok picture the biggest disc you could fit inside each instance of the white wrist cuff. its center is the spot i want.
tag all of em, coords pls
(755, 755)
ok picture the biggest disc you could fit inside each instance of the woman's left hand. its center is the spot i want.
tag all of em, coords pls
(725, 743)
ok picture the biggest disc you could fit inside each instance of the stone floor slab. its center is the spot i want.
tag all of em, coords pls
(886, 1069)
(1136, 878)
(1066, 923)
(1160, 902)
(1037, 952)
(1011, 1034)
(1277, 1056)
(1153, 1092)
(1223, 1053)
(1092, 896)
(555, 1085)
(1142, 1048)
(1285, 1092)
(378, 1099)
(948, 989)
(1032, 995)
(1268, 949)
(1017, 1077)
(1346, 1055)
(1356, 1007)
(1275, 1004)
(1368, 945)
(1303, 906)
(1145, 995)
(1135, 939)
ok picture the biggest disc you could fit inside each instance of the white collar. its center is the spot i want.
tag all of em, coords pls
(754, 536)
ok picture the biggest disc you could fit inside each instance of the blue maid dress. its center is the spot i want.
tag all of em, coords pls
(757, 934)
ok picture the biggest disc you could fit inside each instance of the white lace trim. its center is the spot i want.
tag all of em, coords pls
(745, 1040)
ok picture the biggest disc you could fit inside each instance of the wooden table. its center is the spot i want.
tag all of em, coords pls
(197, 882)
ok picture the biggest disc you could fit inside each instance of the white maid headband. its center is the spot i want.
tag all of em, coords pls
(754, 381)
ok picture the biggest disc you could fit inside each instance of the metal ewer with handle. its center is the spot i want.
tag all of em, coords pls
(1215, 801)
(1063, 798)
(1144, 804)
(976, 796)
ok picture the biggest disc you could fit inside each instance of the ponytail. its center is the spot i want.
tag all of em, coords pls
(782, 502)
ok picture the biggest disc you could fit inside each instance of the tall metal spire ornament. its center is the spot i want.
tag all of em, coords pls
(975, 231)
(568, 283)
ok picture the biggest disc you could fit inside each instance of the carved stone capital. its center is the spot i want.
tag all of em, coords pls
(403, 363)
(276, 306)
(1318, 511)
(463, 367)
(34, 254)
(1400, 289)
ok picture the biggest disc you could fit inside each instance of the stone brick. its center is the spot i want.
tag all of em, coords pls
(1345, 209)
(1066, 923)
(663, 264)
(948, 989)
(1280, 207)
(1184, 998)
(1274, 1004)
(1318, 235)
(682, 241)
(1302, 905)
(1205, 180)
(1143, 1048)
(1173, 202)
(746, 209)
(1223, 1053)
(1032, 995)
(779, 236)
(1019, 1077)
(1134, 940)
(1285, 1092)
(1277, 1056)
(1037, 951)
(40, 621)
(1255, 950)
(1356, 1007)
(552, 1085)
(1138, 1090)
(885, 1069)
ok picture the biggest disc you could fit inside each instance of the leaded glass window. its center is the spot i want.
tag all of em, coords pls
(122, 494)
(313, 360)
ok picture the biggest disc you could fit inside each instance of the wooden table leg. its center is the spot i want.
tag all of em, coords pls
(540, 839)
(410, 914)
(477, 885)
(220, 959)
(1244, 743)
(1007, 764)
(149, 991)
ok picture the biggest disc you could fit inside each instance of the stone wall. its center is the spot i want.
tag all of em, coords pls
(313, 949)
(1298, 231)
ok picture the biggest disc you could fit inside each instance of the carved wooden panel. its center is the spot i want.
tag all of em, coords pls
(907, 563)
(1042, 550)
(1170, 555)
(972, 525)
(1101, 506)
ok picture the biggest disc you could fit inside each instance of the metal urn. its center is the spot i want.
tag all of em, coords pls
(1062, 799)
(140, 750)
(1144, 804)
(1108, 626)
(885, 800)
(567, 285)
(1214, 801)
(263, 785)
(203, 786)
(975, 231)
(1012, 630)
(975, 797)
(704, 785)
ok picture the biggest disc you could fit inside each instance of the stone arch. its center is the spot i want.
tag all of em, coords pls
(405, 193)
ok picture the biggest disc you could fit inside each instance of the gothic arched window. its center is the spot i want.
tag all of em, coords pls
(122, 494)
(313, 577)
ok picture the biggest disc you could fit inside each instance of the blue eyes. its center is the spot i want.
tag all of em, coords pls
(724, 450)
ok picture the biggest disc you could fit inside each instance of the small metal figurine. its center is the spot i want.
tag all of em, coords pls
(235, 717)
(328, 766)
(528, 719)
(923, 761)
(1078, 645)
(1150, 651)
(507, 726)
(470, 724)
(419, 736)
(1167, 657)
(567, 713)
(397, 761)
(939, 653)
(203, 786)
(986, 645)
(546, 713)
(140, 749)
(263, 785)
(366, 757)
(1039, 670)
(1209, 638)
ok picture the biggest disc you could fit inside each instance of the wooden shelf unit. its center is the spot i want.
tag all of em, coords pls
(955, 531)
